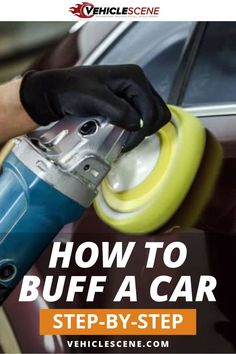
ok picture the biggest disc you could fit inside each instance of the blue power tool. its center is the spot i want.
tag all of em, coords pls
(48, 180)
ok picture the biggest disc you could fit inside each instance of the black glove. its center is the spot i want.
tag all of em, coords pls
(121, 94)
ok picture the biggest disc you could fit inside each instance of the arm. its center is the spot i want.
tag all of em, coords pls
(14, 120)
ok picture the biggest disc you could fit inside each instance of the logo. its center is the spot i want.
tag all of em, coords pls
(83, 10)
(87, 10)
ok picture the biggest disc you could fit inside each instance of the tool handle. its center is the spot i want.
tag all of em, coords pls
(31, 215)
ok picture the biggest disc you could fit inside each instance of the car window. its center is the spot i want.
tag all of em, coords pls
(213, 77)
(156, 46)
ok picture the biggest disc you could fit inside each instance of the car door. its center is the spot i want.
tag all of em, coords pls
(211, 239)
(208, 91)
(204, 84)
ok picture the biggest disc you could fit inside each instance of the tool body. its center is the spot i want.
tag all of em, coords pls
(47, 181)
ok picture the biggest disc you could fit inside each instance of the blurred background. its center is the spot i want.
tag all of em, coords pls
(22, 42)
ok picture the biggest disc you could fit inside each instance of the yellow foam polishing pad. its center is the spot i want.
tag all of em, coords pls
(147, 185)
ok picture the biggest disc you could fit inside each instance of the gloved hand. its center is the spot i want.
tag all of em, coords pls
(121, 94)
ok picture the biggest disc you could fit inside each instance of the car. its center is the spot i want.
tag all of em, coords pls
(191, 65)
